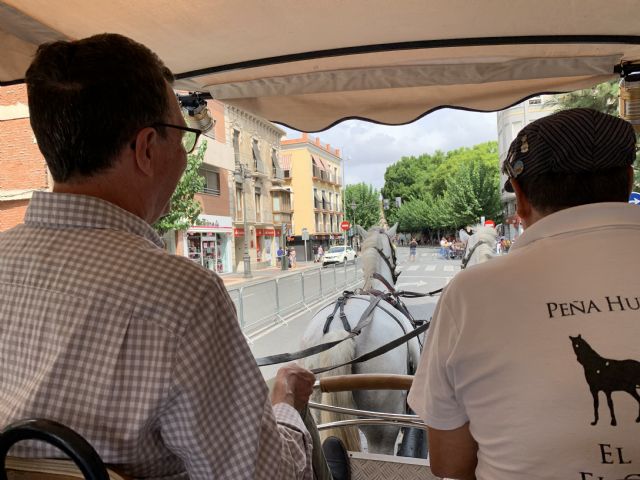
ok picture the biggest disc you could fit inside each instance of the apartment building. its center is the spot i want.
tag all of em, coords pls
(314, 172)
(262, 204)
(22, 167)
(210, 242)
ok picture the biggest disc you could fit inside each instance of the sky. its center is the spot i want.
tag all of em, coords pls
(368, 148)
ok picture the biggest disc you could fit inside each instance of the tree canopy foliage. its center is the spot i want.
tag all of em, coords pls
(445, 190)
(367, 205)
(184, 207)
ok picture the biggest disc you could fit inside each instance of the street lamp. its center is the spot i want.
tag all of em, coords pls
(241, 174)
(355, 224)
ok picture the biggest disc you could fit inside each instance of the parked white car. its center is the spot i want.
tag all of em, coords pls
(338, 255)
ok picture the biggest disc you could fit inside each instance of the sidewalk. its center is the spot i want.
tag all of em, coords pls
(237, 280)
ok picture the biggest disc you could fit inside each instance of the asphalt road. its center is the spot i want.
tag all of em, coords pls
(267, 337)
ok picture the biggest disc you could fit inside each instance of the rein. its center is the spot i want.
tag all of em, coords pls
(392, 297)
(467, 257)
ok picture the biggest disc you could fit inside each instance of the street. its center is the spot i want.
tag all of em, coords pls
(427, 273)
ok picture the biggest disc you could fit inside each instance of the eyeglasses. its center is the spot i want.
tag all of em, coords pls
(189, 136)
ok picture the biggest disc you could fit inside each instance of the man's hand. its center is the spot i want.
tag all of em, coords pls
(293, 385)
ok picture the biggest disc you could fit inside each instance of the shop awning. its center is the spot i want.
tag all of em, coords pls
(389, 62)
(285, 161)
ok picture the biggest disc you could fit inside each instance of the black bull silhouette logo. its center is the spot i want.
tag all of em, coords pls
(607, 375)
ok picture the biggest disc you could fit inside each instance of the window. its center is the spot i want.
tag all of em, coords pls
(239, 213)
(286, 202)
(236, 145)
(277, 171)
(317, 202)
(258, 205)
(287, 174)
(257, 159)
(211, 181)
(276, 202)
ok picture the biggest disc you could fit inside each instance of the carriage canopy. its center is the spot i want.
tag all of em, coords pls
(311, 64)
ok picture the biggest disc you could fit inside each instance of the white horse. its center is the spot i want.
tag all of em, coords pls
(480, 246)
(377, 257)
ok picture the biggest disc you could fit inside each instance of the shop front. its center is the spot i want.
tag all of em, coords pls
(210, 243)
(265, 245)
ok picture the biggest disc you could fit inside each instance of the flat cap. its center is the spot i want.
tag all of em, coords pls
(570, 141)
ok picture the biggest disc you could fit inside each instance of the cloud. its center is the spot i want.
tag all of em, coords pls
(368, 148)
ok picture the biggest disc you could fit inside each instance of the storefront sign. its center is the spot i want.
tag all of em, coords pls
(238, 232)
(213, 223)
(265, 232)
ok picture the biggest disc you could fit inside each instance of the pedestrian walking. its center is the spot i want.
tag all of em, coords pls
(413, 247)
(320, 253)
(292, 257)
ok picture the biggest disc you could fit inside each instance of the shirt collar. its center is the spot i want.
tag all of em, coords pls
(69, 210)
(583, 217)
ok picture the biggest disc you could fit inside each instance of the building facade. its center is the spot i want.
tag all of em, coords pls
(262, 204)
(314, 172)
(210, 242)
(22, 167)
(510, 121)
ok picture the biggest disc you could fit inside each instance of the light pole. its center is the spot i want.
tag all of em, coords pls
(241, 175)
(355, 224)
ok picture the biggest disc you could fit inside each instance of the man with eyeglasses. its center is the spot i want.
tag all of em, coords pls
(100, 329)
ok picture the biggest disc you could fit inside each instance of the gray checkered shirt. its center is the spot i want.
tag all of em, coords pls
(138, 350)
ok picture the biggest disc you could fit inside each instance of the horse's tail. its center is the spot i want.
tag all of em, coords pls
(341, 353)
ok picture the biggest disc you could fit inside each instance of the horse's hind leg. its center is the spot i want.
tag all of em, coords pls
(596, 404)
(635, 395)
(613, 414)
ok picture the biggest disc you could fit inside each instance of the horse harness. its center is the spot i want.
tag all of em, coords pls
(392, 296)
(469, 253)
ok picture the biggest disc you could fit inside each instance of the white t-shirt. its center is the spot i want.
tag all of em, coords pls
(499, 353)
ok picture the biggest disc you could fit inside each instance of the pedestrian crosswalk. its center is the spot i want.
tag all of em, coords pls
(431, 268)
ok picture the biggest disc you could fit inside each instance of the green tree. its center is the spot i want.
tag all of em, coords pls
(445, 190)
(367, 211)
(472, 192)
(184, 207)
(602, 97)
(413, 216)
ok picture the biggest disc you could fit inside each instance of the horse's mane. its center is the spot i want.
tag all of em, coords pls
(369, 255)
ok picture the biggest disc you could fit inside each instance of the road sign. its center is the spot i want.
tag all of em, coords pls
(345, 225)
(634, 198)
(305, 234)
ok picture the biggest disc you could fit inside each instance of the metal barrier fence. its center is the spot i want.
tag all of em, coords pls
(273, 300)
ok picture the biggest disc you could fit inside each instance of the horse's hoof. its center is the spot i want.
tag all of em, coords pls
(613, 423)
(594, 422)
(638, 420)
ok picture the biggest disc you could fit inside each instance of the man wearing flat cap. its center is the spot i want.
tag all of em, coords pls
(532, 362)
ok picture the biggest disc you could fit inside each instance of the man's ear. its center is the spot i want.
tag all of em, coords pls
(523, 207)
(145, 146)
